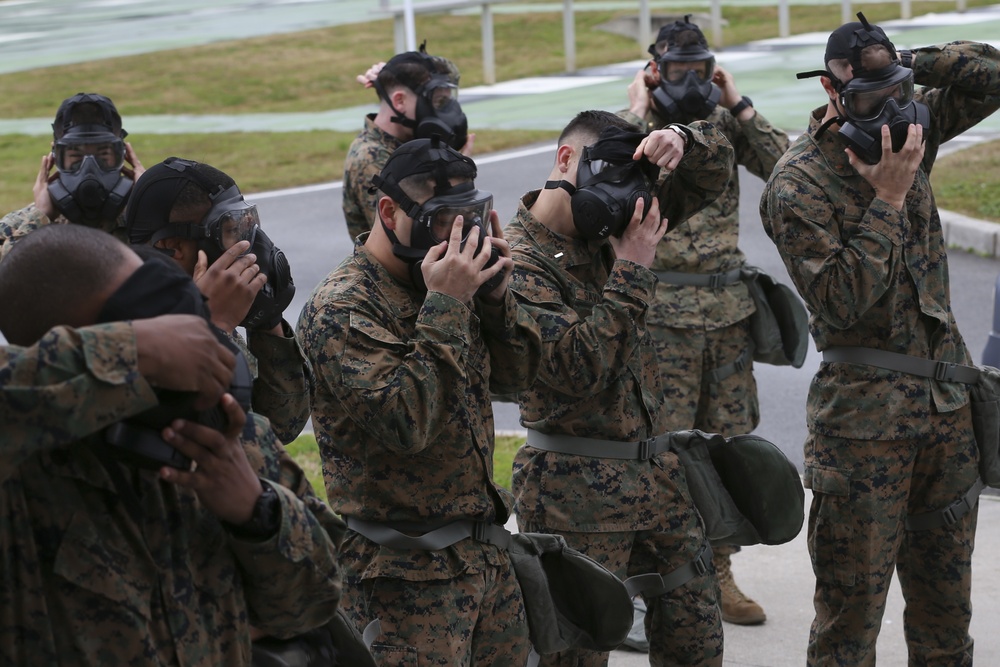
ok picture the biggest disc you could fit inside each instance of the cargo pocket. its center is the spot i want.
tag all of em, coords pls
(831, 525)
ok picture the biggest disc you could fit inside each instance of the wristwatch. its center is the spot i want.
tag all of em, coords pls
(741, 105)
(906, 58)
(265, 520)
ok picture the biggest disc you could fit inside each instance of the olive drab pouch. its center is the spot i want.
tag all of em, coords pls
(984, 397)
(779, 327)
(571, 601)
(745, 488)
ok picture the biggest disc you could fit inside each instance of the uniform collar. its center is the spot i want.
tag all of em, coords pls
(831, 146)
(402, 299)
(568, 250)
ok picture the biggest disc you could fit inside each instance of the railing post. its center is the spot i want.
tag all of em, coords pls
(845, 12)
(960, 5)
(399, 33)
(784, 29)
(569, 35)
(644, 33)
(905, 11)
(717, 25)
(489, 64)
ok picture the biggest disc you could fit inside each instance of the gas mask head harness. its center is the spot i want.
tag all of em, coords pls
(433, 219)
(608, 184)
(686, 91)
(229, 220)
(160, 287)
(434, 80)
(872, 97)
(89, 152)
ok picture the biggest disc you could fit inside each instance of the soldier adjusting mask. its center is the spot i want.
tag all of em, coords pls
(686, 91)
(434, 218)
(873, 97)
(608, 185)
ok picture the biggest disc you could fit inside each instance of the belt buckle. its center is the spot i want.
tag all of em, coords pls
(700, 566)
(715, 280)
(944, 371)
(645, 449)
(479, 531)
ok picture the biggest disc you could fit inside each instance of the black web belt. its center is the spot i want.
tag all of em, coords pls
(392, 535)
(654, 585)
(713, 280)
(642, 450)
(942, 371)
(950, 515)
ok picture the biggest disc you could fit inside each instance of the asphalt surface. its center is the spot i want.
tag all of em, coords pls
(308, 225)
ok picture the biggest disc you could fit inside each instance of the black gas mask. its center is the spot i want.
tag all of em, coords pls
(608, 185)
(230, 220)
(872, 98)
(90, 189)
(686, 91)
(159, 287)
(438, 111)
(433, 219)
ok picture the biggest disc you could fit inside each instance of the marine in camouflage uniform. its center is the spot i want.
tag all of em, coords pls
(382, 135)
(365, 158)
(404, 422)
(104, 563)
(884, 446)
(701, 332)
(600, 379)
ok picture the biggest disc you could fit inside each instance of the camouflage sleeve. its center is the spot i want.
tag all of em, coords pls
(641, 124)
(515, 345)
(757, 144)
(68, 385)
(284, 376)
(395, 390)
(963, 85)
(700, 177)
(839, 279)
(359, 206)
(16, 224)
(582, 356)
(292, 582)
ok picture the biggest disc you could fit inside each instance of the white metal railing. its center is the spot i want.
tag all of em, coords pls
(405, 40)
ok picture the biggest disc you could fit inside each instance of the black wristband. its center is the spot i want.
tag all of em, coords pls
(741, 105)
(265, 520)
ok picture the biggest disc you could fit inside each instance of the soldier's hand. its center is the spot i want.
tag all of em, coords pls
(496, 296)
(181, 352)
(639, 98)
(135, 168)
(43, 200)
(664, 148)
(893, 176)
(469, 146)
(638, 241)
(724, 80)
(222, 477)
(368, 78)
(458, 272)
(230, 284)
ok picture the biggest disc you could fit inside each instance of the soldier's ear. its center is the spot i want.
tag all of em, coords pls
(386, 209)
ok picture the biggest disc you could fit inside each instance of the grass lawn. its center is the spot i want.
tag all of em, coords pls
(968, 181)
(315, 70)
(305, 452)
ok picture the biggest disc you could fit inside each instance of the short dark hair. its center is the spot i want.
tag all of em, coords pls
(51, 274)
(586, 127)
(193, 195)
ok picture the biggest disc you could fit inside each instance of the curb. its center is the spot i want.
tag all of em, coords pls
(965, 233)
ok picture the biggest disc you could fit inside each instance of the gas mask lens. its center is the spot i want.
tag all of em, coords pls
(71, 153)
(232, 220)
(675, 71)
(442, 95)
(865, 100)
(440, 213)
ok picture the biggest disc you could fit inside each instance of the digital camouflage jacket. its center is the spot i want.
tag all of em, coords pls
(873, 276)
(368, 153)
(709, 241)
(90, 576)
(402, 409)
(599, 376)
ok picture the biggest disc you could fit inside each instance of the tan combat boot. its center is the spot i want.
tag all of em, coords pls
(736, 607)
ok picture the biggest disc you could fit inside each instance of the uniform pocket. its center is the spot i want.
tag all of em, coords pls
(831, 525)
(394, 656)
